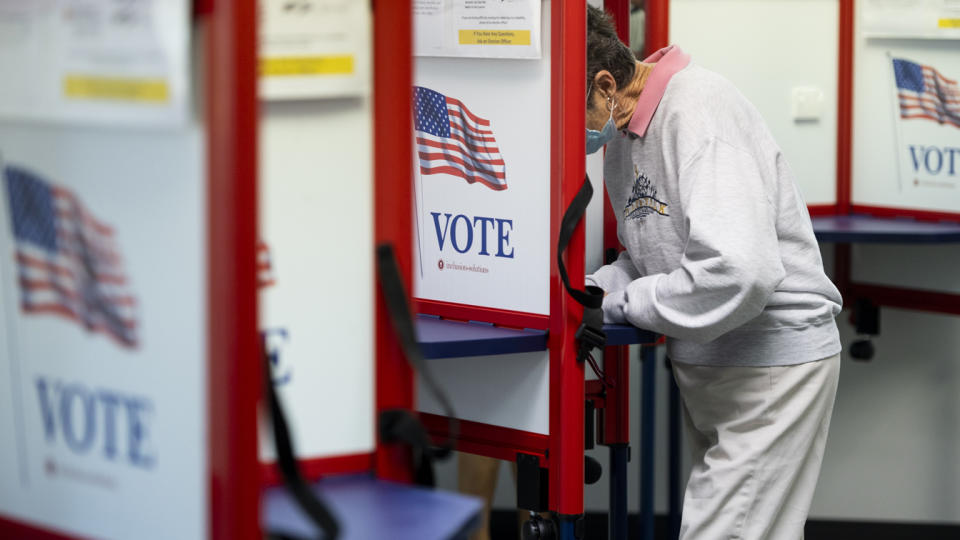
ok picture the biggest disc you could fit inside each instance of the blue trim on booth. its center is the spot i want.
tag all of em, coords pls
(370, 508)
(444, 338)
(860, 228)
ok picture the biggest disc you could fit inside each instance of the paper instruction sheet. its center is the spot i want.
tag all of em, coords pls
(314, 48)
(477, 28)
(924, 19)
(116, 62)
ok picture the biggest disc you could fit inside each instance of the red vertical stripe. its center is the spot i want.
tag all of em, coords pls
(658, 25)
(845, 106)
(393, 189)
(567, 168)
(234, 384)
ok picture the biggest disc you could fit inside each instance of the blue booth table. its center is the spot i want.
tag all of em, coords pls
(369, 508)
(440, 338)
(860, 228)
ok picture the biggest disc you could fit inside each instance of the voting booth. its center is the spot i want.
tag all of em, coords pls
(499, 157)
(130, 355)
(498, 143)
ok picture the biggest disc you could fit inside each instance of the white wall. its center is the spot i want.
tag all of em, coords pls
(767, 48)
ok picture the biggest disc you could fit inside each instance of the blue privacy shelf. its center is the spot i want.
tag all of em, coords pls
(861, 228)
(441, 338)
(369, 508)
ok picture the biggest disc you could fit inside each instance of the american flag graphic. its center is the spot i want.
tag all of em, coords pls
(67, 261)
(265, 277)
(926, 94)
(452, 140)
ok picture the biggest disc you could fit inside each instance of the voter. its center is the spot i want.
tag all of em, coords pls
(721, 258)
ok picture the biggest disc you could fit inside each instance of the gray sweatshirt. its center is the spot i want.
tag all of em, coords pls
(720, 253)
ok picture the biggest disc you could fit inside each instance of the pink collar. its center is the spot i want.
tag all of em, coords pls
(669, 60)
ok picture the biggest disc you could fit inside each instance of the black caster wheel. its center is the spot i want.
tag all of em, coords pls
(592, 470)
(862, 350)
(539, 528)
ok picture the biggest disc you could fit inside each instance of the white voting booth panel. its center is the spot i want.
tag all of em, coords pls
(483, 186)
(909, 163)
(479, 243)
(781, 54)
(509, 390)
(316, 200)
(104, 411)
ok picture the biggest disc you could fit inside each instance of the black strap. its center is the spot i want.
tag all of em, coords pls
(315, 508)
(590, 335)
(400, 425)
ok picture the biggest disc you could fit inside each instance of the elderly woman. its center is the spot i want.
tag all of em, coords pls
(721, 258)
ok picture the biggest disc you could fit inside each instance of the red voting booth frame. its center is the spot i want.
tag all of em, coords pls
(236, 478)
(234, 360)
(880, 295)
(561, 452)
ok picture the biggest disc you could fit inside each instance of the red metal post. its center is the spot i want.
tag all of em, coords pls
(899, 297)
(620, 9)
(615, 417)
(235, 372)
(845, 106)
(658, 25)
(567, 170)
(393, 189)
(498, 317)
(489, 440)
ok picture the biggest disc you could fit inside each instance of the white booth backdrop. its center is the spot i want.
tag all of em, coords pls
(102, 438)
(316, 203)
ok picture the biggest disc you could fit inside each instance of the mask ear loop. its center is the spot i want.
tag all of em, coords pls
(611, 105)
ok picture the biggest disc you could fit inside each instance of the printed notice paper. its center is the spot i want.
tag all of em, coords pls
(314, 48)
(926, 19)
(95, 61)
(477, 28)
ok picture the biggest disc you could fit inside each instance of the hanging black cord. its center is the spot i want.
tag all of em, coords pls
(601, 374)
(396, 299)
(287, 462)
(590, 334)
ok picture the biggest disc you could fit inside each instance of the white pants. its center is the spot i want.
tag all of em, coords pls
(757, 436)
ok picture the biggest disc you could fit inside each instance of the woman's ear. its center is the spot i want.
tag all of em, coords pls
(604, 85)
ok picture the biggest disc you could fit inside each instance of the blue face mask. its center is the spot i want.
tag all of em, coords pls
(596, 139)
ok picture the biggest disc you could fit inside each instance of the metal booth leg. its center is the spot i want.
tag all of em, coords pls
(676, 485)
(648, 357)
(619, 454)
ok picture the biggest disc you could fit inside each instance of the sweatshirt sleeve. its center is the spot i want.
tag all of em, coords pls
(731, 260)
(615, 276)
